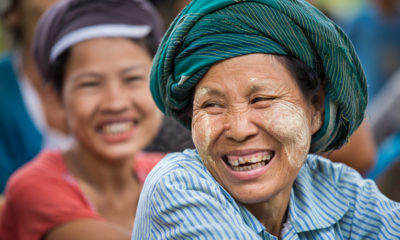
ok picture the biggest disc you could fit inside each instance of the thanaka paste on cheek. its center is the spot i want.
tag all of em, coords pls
(201, 134)
(290, 126)
(201, 129)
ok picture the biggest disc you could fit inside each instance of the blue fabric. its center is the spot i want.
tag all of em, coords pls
(20, 140)
(388, 153)
(181, 200)
(377, 42)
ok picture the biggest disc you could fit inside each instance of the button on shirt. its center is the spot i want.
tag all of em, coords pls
(181, 200)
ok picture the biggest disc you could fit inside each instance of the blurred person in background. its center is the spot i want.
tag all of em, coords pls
(31, 117)
(375, 33)
(359, 152)
(389, 181)
(172, 137)
(385, 120)
(97, 56)
(169, 9)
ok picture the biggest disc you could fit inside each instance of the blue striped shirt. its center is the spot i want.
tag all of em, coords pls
(181, 200)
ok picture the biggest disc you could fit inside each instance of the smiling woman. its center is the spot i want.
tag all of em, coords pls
(262, 85)
(97, 55)
(248, 112)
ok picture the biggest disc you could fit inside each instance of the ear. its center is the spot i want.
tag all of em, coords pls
(318, 110)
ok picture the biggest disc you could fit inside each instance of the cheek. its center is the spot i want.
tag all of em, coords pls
(78, 114)
(143, 100)
(201, 134)
(201, 131)
(289, 125)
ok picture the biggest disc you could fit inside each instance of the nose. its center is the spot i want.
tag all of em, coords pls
(115, 99)
(239, 127)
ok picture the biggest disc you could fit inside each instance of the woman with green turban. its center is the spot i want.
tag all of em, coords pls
(262, 84)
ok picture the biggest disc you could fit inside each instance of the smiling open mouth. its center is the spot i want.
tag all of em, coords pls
(248, 162)
(115, 128)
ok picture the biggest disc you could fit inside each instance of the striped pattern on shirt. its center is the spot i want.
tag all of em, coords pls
(181, 200)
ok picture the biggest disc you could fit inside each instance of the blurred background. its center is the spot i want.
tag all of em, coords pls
(374, 28)
(342, 11)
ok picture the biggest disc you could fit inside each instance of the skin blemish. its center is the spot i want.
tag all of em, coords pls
(202, 92)
(252, 82)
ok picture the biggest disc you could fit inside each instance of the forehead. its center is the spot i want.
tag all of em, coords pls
(249, 72)
(106, 56)
(103, 49)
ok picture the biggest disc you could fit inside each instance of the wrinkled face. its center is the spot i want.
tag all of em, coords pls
(252, 126)
(107, 98)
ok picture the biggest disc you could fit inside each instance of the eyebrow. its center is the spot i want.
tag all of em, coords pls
(256, 88)
(85, 75)
(128, 69)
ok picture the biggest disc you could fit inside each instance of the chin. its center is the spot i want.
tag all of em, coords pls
(252, 195)
(118, 153)
(118, 157)
(251, 199)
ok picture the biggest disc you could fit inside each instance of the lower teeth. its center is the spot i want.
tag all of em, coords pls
(249, 167)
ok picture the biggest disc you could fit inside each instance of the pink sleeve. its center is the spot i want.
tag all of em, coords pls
(144, 162)
(35, 204)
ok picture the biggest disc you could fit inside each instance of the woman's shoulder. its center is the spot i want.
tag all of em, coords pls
(340, 182)
(43, 194)
(357, 201)
(186, 162)
(47, 164)
(180, 187)
(336, 177)
(181, 171)
(40, 177)
(144, 162)
(331, 171)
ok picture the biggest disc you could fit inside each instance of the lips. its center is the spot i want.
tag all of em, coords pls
(247, 162)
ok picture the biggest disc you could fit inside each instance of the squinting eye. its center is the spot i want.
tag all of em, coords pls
(213, 108)
(89, 84)
(134, 78)
(211, 105)
(261, 99)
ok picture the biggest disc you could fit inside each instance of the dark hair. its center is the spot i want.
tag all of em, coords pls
(58, 71)
(308, 81)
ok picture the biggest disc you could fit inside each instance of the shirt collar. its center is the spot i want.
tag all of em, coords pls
(315, 201)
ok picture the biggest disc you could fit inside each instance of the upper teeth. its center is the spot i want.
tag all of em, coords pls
(115, 128)
(236, 161)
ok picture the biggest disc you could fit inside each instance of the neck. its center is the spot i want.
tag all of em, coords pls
(272, 213)
(102, 175)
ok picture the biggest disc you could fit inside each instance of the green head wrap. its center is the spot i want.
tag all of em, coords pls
(207, 31)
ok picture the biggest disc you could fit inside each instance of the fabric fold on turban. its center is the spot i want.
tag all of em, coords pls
(206, 32)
